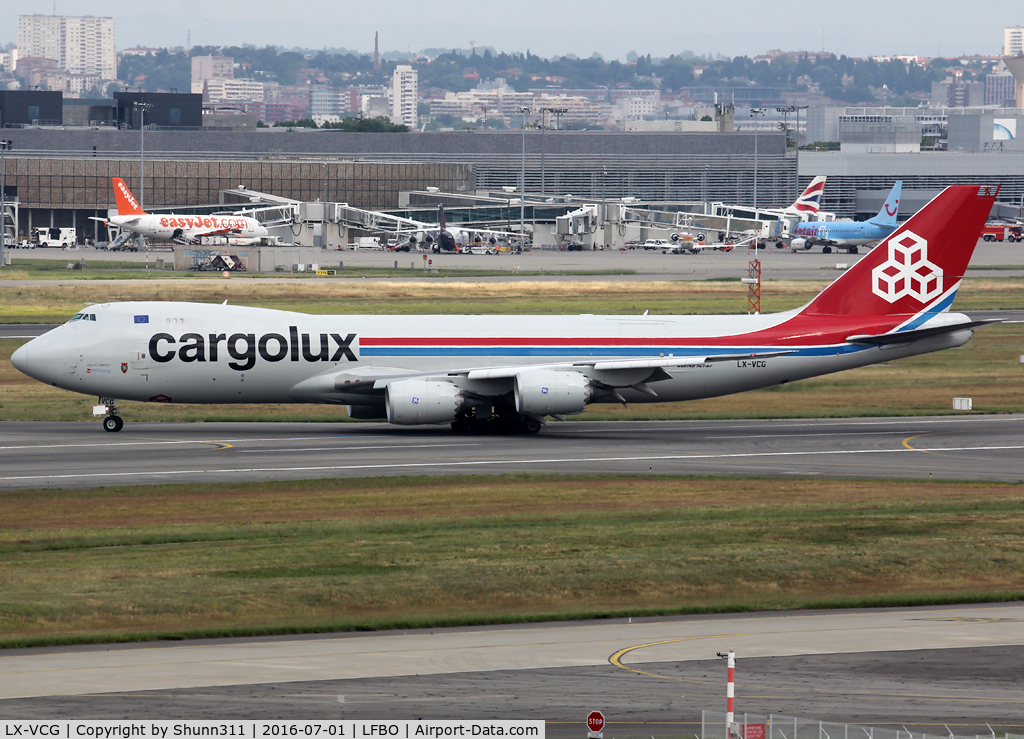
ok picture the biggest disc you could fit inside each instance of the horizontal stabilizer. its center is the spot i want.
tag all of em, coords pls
(901, 337)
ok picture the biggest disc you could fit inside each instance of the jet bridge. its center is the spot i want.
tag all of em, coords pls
(331, 225)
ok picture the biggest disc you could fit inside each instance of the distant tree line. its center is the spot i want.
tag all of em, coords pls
(840, 78)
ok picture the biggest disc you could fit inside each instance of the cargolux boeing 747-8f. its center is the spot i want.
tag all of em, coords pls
(238, 230)
(510, 372)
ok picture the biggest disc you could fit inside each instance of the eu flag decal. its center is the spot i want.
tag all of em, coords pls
(142, 319)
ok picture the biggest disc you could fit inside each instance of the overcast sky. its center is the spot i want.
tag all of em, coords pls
(609, 27)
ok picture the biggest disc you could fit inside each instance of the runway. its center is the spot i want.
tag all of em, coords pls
(52, 454)
(916, 668)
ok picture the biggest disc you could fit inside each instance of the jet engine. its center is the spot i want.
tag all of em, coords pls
(799, 244)
(548, 392)
(410, 402)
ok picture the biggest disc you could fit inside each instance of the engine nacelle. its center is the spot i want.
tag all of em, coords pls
(410, 402)
(799, 244)
(547, 392)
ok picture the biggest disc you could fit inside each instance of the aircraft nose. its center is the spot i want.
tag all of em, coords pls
(20, 359)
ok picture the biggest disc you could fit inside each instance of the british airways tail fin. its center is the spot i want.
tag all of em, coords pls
(919, 268)
(127, 205)
(809, 201)
(887, 215)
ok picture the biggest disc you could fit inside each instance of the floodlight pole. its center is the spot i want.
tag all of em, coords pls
(142, 108)
(522, 183)
(5, 144)
(754, 112)
(543, 125)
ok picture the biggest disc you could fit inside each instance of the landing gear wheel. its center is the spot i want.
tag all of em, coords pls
(113, 424)
(852, 250)
(530, 425)
(826, 250)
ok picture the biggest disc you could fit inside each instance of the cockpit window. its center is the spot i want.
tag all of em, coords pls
(82, 317)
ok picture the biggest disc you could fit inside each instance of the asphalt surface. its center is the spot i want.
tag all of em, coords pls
(922, 669)
(990, 259)
(54, 454)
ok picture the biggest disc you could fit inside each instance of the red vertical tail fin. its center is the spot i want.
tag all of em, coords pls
(127, 205)
(920, 266)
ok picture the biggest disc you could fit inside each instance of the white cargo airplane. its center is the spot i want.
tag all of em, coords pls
(236, 230)
(509, 372)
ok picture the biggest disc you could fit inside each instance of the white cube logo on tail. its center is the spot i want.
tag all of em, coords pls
(907, 271)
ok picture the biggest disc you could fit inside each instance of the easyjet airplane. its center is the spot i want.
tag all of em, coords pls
(510, 372)
(238, 230)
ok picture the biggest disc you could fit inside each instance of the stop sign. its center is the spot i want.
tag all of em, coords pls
(595, 721)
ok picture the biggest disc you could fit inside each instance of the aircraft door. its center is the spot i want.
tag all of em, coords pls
(139, 355)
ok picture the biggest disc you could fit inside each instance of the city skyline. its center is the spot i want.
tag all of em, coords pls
(662, 29)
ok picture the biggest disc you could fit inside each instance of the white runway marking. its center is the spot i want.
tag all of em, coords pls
(486, 462)
(350, 448)
(187, 441)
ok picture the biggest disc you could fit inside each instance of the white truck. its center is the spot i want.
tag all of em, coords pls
(66, 238)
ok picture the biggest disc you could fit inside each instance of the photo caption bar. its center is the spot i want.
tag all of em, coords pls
(269, 729)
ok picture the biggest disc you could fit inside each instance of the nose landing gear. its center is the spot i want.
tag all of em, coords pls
(112, 423)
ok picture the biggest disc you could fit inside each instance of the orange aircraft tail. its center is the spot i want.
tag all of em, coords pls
(127, 205)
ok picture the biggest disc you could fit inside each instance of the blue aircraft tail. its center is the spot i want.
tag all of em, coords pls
(887, 215)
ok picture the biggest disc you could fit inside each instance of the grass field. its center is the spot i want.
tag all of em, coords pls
(49, 303)
(131, 563)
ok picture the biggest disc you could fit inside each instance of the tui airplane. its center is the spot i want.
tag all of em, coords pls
(851, 234)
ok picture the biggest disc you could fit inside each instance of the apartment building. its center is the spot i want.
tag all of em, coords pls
(79, 44)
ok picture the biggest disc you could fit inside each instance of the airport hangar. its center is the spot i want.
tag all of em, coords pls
(60, 176)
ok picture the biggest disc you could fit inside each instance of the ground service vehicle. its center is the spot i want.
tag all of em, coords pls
(65, 238)
(1002, 232)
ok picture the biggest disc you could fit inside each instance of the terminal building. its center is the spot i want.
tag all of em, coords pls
(62, 177)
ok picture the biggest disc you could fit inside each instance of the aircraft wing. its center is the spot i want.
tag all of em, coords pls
(616, 373)
(216, 232)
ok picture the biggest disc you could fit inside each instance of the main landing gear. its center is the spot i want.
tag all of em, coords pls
(111, 421)
(511, 423)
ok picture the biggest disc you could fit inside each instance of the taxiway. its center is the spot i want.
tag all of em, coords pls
(53, 454)
(919, 668)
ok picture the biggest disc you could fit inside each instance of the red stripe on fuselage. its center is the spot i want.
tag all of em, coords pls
(801, 330)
